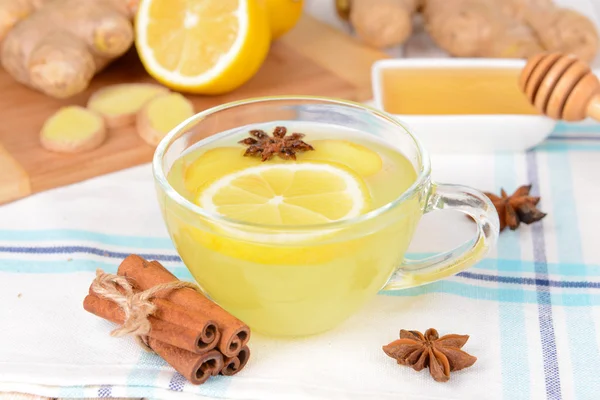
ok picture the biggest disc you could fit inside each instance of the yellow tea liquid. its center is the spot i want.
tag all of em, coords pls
(304, 280)
(446, 91)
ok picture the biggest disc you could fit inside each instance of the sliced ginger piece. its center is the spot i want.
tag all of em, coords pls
(161, 114)
(119, 104)
(358, 158)
(73, 129)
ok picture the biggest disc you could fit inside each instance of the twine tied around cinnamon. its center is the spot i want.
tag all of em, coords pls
(136, 305)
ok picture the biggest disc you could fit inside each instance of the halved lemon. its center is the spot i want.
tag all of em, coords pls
(202, 46)
(287, 194)
(283, 15)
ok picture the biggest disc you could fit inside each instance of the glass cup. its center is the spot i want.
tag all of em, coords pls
(301, 280)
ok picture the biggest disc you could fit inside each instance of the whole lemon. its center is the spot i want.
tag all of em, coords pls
(283, 15)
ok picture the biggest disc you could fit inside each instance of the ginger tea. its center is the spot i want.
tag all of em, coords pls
(292, 263)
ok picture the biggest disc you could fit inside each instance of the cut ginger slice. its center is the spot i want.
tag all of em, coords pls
(120, 103)
(161, 114)
(73, 129)
(358, 158)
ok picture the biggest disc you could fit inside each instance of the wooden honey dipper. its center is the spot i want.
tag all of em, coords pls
(561, 87)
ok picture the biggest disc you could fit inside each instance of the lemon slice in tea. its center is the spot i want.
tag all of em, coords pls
(287, 194)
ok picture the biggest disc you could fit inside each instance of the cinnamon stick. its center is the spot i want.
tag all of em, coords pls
(196, 368)
(233, 365)
(171, 324)
(144, 275)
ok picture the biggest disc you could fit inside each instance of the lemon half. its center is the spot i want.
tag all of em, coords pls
(202, 46)
(283, 15)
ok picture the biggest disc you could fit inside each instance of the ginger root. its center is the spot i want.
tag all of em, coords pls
(566, 31)
(13, 11)
(383, 23)
(519, 9)
(161, 114)
(120, 103)
(478, 28)
(73, 129)
(61, 46)
(508, 28)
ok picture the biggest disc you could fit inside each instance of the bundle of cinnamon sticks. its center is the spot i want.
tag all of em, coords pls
(194, 335)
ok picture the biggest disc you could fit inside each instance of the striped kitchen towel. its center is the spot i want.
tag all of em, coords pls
(532, 308)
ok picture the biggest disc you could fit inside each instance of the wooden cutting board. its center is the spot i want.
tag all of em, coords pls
(312, 59)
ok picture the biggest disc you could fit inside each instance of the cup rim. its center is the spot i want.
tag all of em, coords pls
(161, 179)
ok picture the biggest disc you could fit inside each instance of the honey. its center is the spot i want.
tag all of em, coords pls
(455, 90)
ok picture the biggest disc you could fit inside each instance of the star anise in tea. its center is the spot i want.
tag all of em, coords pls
(265, 146)
(441, 354)
(516, 208)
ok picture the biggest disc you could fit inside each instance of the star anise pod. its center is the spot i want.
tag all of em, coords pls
(516, 208)
(265, 146)
(441, 354)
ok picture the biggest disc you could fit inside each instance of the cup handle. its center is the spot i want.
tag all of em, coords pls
(474, 204)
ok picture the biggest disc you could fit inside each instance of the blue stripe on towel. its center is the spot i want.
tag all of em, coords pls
(73, 266)
(545, 317)
(84, 250)
(177, 382)
(105, 391)
(78, 265)
(44, 235)
(145, 373)
(522, 266)
(551, 146)
(502, 295)
(532, 281)
(570, 128)
(164, 244)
